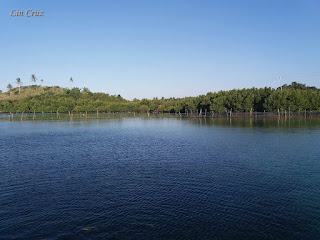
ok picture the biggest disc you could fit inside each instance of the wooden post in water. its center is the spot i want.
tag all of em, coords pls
(148, 114)
(34, 115)
(58, 114)
(279, 112)
(97, 114)
(285, 113)
(305, 113)
(134, 114)
(289, 112)
(230, 112)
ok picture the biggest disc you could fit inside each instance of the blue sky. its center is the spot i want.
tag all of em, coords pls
(157, 48)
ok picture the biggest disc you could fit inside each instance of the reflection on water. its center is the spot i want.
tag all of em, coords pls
(258, 122)
(283, 122)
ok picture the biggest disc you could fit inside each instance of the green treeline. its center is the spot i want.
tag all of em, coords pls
(296, 97)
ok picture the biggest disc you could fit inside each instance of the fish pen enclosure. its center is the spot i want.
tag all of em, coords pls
(70, 116)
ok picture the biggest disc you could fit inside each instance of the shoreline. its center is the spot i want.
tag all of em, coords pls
(119, 115)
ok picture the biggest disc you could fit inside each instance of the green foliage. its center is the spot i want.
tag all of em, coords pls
(296, 97)
(144, 108)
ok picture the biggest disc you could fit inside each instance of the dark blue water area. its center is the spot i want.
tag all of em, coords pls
(160, 179)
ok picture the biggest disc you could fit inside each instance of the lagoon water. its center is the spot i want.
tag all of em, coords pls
(160, 179)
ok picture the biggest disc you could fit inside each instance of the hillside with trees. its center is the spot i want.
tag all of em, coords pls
(293, 97)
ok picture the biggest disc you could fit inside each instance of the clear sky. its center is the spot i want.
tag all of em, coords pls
(170, 48)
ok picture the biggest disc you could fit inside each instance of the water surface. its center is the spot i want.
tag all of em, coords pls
(160, 179)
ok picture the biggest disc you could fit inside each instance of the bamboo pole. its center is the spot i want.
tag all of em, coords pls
(289, 112)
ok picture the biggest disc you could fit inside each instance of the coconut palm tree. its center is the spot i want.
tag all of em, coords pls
(42, 84)
(9, 87)
(18, 80)
(71, 81)
(33, 78)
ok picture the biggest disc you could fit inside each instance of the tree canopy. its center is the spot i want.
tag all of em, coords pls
(296, 97)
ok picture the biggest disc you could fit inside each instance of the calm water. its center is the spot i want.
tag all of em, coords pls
(160, 179)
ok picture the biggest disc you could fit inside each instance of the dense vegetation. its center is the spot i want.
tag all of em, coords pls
(296, 97)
